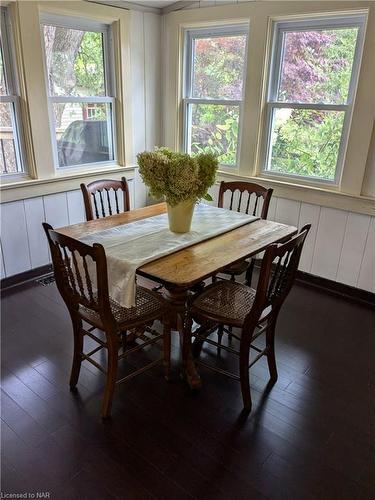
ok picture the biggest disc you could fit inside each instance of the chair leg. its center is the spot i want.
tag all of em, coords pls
(111, 377)
(220, 332)
(244, 374)
(186, 338)
(167, 348)
(124, 340)
(249, 273)
(77, 355)
(271, 359)
(198, 342)
(230, 337)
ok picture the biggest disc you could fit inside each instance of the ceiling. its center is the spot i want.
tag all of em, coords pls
(155, 3)
(157, 6)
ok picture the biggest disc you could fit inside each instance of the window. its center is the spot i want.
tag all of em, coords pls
(311, 90)
(77, 62)
(11, 157)
(214, 87)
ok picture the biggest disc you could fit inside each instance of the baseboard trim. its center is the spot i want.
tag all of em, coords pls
(326, 285)
(336, 288)
(21, 278)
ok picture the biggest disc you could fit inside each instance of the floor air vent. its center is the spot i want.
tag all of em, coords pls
(47, 280)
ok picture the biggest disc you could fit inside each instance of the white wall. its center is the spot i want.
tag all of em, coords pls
(145, 41)
(368, 187)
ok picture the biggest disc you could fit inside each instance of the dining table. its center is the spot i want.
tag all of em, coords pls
(183, 270)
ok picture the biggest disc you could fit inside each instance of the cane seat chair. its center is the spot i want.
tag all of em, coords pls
(102, 198)
(81, 277)
(252, 199)
(253, 312)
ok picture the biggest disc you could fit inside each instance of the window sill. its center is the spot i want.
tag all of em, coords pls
(309, 194)
(62, 181)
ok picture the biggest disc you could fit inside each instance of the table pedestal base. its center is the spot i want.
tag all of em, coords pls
(177, 297)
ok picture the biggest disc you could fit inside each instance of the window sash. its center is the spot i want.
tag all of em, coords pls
(317, 24)
(190, 36)
(201, 33)
(111, 135)
(109, 98)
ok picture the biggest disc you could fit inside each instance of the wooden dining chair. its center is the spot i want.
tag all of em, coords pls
(102, 198)
(81, 277)
(252, 199)
(253, 312)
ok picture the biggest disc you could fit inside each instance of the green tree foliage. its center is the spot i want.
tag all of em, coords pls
(75, 65)
(89, 64)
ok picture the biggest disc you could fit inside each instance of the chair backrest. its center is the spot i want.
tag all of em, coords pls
(278, 272)
(248, 199)
(80, 272)
(102, 198)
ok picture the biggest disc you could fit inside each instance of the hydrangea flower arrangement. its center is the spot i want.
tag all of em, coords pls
(177, 176)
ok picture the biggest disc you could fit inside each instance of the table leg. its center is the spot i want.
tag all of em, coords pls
(177, 297)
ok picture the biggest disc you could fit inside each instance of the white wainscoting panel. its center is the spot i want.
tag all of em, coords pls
(34, 212)
(132, 190)
(76, 207)
(287, 211)
(366, 278)
(214, 192)
(14, 238)
(2, 270)
(340, 246)
(329, 241)
(56, 210)
(272, 208)
(309, 214)
(356, 232)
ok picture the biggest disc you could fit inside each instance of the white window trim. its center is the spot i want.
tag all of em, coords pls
(210, 32)
(280, 27)
(109, 79)
(13, 96)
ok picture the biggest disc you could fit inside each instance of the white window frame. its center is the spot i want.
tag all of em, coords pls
(313, 24)
(109, 82)
(210, 32)
(12, 96)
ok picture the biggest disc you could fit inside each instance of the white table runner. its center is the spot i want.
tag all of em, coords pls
(132, 245)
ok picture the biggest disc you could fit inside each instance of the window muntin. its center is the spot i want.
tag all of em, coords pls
(313, 77)
(11, 156)
(77, 63)
(215, 61)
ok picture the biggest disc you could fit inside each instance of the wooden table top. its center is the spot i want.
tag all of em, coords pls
(191, 265)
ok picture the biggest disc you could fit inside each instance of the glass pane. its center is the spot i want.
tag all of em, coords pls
(214, 128)
(316, 66)
(306, 142)
(218, 65)
(74, 60)
(8, 155)
(83, 133)
(3, 87)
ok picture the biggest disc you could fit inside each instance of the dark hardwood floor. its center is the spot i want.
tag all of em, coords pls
(312, 435)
